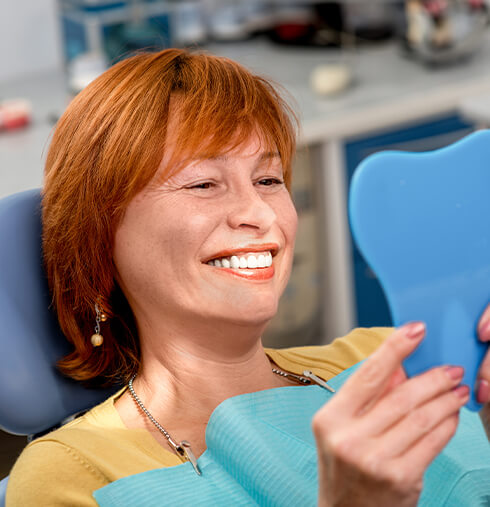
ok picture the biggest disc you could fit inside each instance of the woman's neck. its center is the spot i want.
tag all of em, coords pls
(182, 380)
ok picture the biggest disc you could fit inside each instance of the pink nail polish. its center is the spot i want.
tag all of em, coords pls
(461, 391)
(414, 330)
(484, 328)
(483, 391)
(455, 372)
(485, 321)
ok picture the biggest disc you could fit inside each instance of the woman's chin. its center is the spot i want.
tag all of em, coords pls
(253, 315)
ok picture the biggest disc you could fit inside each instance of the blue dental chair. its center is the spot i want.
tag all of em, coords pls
(34, 396)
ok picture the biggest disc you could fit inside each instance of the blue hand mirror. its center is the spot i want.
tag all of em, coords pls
(422, 222)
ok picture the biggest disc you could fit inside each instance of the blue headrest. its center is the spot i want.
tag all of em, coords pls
(34, 395)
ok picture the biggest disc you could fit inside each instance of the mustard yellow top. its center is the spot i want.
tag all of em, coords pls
(64, 467)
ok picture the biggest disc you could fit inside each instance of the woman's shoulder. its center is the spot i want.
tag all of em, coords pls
(51, 473)
(331, 359)
(85, 431)
(66, 465)
(56, 469)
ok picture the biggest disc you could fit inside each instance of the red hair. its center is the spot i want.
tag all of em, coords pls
(106, 148)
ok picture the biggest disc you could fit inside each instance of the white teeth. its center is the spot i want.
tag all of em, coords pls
(268, 260)
(245, 262)
(252, 262)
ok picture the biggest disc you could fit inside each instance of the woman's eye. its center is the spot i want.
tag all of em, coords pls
(267, 182)
(202, 186)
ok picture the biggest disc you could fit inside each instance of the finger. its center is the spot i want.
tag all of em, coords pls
(420, 456)
(396, 379)
(483, 382)
(370, 381)
(410, 395)
(483, 391)
(484, 326)
(422, 421)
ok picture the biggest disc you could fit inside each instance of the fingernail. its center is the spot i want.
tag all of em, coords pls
(484, 327)
(462, 391)
(414, 330)
(483, 391)
(485, 319)
(455, 372)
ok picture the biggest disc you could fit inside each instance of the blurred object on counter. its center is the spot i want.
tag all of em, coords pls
(114, 27)
(226, 20)
(330, 79)
(373, 21)
(259, 15)
(138, 32)
(445, 31)
(188, 23)
(98, 33)
(327, 24)
(237, 20)
(83, 69)
(15, 114)
(294, 23)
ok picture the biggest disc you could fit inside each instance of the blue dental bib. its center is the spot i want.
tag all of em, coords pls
(261, 452)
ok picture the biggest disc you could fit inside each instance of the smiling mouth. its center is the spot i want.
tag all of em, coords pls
(247, 261)
(252, 263)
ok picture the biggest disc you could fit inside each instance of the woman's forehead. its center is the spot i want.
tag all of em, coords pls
(255, 147)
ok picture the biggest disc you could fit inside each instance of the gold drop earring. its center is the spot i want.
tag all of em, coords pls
(97, 339)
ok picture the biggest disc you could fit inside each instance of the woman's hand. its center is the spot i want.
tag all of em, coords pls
(377, 436)
(483, 384)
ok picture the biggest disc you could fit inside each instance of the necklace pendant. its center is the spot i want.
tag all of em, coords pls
(184, 449)
(318, 380)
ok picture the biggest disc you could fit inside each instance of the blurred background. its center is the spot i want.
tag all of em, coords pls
(365, 75)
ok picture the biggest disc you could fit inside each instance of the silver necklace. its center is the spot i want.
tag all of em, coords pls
(183, 448)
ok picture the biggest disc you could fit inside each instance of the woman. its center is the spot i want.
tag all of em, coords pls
(169, 227)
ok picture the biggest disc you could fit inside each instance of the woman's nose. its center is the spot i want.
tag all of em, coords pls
(249, 209)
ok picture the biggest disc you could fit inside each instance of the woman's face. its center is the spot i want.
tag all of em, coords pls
(233, 209)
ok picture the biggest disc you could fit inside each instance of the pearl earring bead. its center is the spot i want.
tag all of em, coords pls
(97, 340)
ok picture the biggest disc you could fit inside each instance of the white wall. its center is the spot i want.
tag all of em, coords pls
(29, 37)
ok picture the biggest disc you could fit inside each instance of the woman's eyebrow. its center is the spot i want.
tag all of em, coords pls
(269, 154)
(224, 158)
